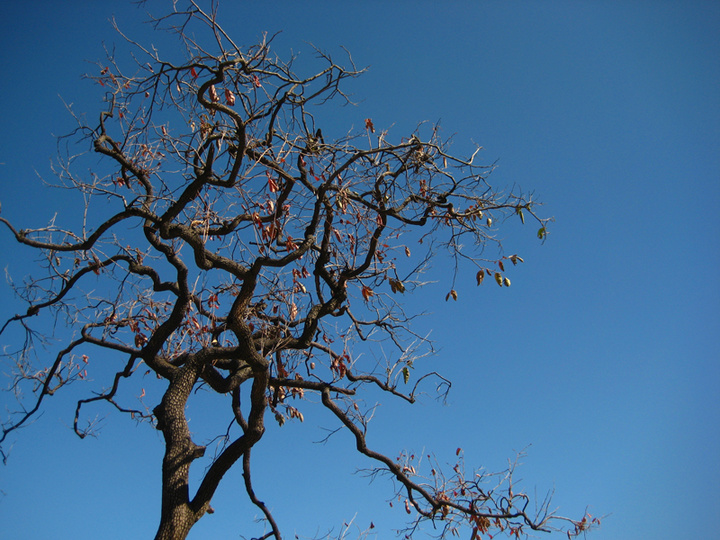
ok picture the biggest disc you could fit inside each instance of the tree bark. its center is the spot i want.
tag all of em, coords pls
(177, 515)
(176, 524)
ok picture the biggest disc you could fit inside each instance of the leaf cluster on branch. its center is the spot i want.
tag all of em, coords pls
(245, 250)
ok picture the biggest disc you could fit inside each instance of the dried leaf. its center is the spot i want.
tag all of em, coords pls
(213, 94)
(396, 286)
(480, 276)
(96, 263)
(369, 125)
(140, 339)
(367, 292)
(499, 278)
(229, 97)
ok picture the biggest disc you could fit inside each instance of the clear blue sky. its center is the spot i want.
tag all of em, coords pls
(603, 358)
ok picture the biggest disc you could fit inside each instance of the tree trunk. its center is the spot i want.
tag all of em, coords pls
(176, 524)
(177, 515)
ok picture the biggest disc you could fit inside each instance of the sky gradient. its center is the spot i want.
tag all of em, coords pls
(601, 361)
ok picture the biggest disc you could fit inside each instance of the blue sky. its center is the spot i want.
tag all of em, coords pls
(603, 358)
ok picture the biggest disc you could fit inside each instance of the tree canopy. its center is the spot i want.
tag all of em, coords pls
(226, 242)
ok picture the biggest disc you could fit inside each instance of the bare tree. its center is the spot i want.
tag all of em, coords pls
(239, 249)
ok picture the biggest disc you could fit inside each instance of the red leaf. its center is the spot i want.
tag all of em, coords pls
(256, 81)
(193, 73)
(369, 125)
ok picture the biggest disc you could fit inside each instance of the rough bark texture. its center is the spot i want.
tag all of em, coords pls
(177, 517)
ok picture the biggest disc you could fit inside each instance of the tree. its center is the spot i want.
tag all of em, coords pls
(232, 246)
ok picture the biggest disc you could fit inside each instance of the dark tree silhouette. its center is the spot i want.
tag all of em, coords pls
(230, 244)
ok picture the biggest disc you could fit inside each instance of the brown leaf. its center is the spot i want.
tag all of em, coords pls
(229, 97)
(367, 292)
(213, 94)
(396, 286)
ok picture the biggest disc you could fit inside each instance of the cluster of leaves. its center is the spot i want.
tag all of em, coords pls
(485, 504)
